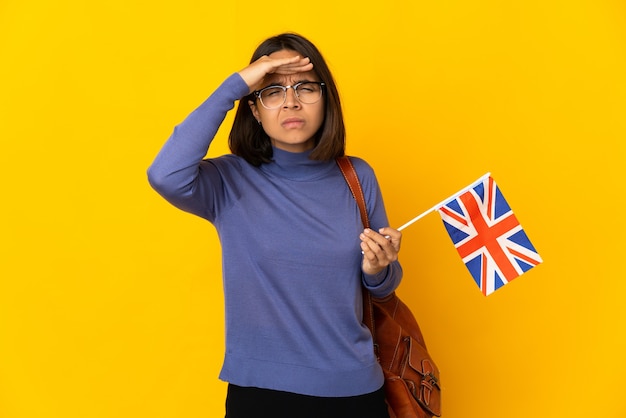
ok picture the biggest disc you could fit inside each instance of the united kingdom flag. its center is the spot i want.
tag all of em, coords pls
(488, 236)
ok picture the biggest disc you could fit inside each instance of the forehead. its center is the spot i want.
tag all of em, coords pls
(290, 79)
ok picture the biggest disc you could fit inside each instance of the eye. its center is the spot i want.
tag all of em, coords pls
(271, 91)
(308, 87)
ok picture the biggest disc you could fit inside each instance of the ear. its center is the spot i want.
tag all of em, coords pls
(255, 110)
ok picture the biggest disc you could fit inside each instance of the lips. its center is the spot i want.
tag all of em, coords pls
(291, 123)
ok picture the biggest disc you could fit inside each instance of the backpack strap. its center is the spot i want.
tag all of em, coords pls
(349, 173)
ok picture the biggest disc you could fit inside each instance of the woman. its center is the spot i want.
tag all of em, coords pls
(295, 254)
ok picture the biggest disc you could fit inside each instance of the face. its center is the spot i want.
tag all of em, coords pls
(292, 126)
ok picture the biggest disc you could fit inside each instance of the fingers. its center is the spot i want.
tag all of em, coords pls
(255, 73)
(379, 249)
(393, 235)
(385, 238)
(294, 65)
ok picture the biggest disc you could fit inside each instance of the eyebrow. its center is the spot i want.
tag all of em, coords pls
(306, 80)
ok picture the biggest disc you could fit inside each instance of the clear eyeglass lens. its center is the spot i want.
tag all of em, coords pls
(307, 93)
(272, 96)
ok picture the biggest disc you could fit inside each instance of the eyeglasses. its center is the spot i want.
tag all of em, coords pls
(307, 92)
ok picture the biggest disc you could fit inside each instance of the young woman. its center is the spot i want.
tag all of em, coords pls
(295, 255)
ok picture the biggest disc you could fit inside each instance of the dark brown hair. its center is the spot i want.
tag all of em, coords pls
(247, 138)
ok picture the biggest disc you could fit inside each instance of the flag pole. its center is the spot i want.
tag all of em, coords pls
(443, 202)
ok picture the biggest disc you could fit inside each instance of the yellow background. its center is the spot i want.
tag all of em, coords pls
(110, 299)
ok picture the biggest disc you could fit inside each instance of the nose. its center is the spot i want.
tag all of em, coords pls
(291, 100)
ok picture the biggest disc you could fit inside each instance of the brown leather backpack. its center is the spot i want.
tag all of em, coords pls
(412, 385)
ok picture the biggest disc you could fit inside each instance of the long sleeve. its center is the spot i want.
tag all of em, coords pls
(385, 282)
(388, 279)
(291, 269)
(177, 171)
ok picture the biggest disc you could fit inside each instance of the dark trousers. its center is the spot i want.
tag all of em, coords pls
(249, 402)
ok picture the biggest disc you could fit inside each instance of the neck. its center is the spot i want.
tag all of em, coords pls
(296, 165)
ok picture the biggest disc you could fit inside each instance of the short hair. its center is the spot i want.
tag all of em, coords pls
(247, 138)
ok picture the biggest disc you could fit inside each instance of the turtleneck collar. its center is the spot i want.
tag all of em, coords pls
(297, 165)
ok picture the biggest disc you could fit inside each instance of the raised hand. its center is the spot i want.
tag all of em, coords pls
(255, 73)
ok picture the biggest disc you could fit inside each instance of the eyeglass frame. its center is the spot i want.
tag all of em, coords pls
(257, 93)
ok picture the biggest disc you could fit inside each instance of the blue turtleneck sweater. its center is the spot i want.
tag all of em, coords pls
(289, 232)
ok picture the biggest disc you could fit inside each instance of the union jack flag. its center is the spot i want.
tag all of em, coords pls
(488, 236)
